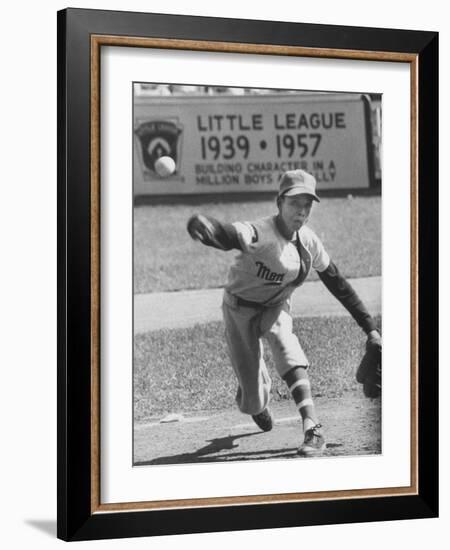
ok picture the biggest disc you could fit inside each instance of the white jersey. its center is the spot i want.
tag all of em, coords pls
(268, 270)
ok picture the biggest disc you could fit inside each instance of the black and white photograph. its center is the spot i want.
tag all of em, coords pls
(152, 152)
(257, 274)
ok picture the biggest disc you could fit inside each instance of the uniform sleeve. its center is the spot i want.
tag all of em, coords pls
(247, 236)
(338, 285)
(320, 258)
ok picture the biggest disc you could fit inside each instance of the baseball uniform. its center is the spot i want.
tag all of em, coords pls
(257, 304)
(276, 255)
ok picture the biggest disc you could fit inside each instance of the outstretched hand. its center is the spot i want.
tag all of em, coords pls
(202, 229)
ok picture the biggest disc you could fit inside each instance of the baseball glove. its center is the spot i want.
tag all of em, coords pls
(205, 229)
(369, 371)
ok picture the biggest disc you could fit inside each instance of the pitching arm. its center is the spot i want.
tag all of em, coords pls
(338, 285)
(211, 232)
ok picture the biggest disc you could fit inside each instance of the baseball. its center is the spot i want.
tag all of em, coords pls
(165, 166)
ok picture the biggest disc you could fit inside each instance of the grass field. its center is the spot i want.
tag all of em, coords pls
(183, 370)
(165, 258)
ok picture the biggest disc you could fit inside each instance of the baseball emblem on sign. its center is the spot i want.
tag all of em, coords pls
(165, 166)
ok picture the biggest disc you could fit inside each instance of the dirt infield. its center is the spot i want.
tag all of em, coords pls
(352, 426)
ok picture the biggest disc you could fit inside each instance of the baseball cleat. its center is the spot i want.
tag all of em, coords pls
(264, 420)
(314, 442)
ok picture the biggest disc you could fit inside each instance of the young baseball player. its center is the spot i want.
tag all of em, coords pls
(277, 254)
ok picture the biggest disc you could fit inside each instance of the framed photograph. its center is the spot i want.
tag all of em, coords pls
(247, 274)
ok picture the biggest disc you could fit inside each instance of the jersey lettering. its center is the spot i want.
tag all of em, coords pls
(265, 273)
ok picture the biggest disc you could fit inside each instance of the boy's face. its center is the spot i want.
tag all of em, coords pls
(295, 210)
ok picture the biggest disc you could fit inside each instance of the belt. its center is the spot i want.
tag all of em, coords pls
(238, 301)
(248, 303)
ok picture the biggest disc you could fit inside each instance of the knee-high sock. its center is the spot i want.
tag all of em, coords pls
(297, 381)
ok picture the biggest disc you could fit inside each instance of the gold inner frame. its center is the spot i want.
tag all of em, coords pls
(97, 41)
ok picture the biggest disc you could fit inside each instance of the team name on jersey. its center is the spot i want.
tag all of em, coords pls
(265, 273)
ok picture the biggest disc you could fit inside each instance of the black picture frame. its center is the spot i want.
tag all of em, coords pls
(79, 514)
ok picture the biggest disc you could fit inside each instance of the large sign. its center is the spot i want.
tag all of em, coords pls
(244, 143)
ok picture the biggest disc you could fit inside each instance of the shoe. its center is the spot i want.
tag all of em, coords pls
(314, 442)
(264, 420)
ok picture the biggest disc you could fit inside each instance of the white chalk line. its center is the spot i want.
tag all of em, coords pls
(196, 419)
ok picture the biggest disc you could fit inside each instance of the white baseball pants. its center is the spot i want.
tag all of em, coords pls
(244, 329)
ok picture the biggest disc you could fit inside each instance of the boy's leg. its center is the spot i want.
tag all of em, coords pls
(246, 354)
(297, 381)
(291, 364)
